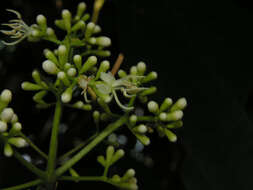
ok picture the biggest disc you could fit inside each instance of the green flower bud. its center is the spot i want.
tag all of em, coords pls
(153, 107)
(97, 29)
(85, 17)
(60, 24)
(104, 66)
(143, 99)
(3, 126)
(8, 151)
(19, 142)
(81, 105)
(89, 30)
(35, 33)
(175, 116)
(141, 67)
(49, 67)
(62, 76)
(122, 73)
(179, 105)
(151, 76)
(17, 127)
(73, 173)
(14, 118)
(50, 32)
(7, 114)
(175, 125)
(6, 96)
(67, 66)
(67, 95)
(133, 120)
(101, 160)
(171, 136)
(133, 70)
(104, 117)
(91, 61)
(148, 91)
(96, 116)
(80, 10)
(116, 178)
(163, 116)
(78, 61)
(62, 53)
(129, 174)
(42, 22)
(71, 72)
(102, 53)
(143, 139)
(109, 154)
(103, 41)
(166, 104)
(36, 76)
(92, 40)
(38, 97)
(51, 56)
(66, 15)
(141, 129)
(30, 86)
(80, 25)
(118, 155)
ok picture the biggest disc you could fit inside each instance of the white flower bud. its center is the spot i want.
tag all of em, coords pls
(133, 70)
(141, 67)
(129, 174)
(50, 32)
(71, 72)
(142, 129)
(61, 75)
(7, 114)
(50, 67)
(17, 141)
(67, 95)
(163, 116)
(14, 118)
(153, 107)
(66, 14)
(41, 20)
(179, 105)
(35, 33)
(174, 116)
(62, 50)
(3, 126)
(17, 126)
(6, 96)
(103, 41)
(133, 119)
(97, 29)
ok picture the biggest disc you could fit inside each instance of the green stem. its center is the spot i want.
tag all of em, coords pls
(33, 146)
(54, 141)
(83, 178)
(29, 165)
(107, 131)
(25, 185)
(146, 118)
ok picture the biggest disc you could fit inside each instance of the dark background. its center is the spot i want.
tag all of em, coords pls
(202, 50)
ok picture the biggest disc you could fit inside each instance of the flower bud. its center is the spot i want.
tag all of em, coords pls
(116, 178)
(101, 160)
(78, 61)
(133, 70)
(104, 66)
(30, 86)
(179, 105)
(6, 96)
(85, 17)
(171, 136)
(38, 97)
(148, 91)
(80, 9)
(166, 104)
(143, 139)
(50, 56)
(7, 114)
(89, 30)
(96, 116)
(175, 125)
(50, 32)
(50, 67)
(8, 152)
(67, 66)
(153, 107)
(62, 76)
(80, 25)
(60, 24)
(151, 76)
(66, 15)
(67, 95)
(17, 127)
(36, 33)
(175, 116)
(118, 155)
(71, 72)
(3, 126)
(129, 174)
(62, 53)
(42, 21)
(133, 120)
(91, 61)
(163, 116)
(14, 118)
(141, 129)
(36, 76)
(103, 41)
(97, 29)
(102, 53)
(109, 154)
(81, 105)
(19, 142)
(141, 67)
(122, 73)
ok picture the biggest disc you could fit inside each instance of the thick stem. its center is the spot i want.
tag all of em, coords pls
(54, 142)
(25, 185)
(107, 131)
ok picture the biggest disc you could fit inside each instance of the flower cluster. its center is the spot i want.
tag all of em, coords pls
(10, 128)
